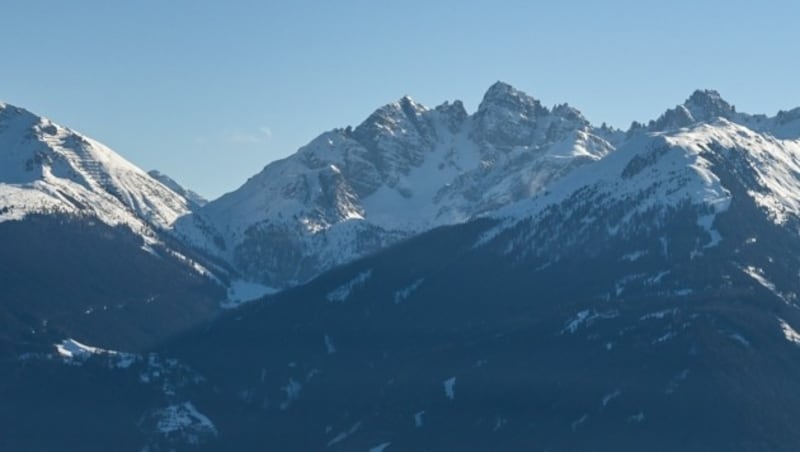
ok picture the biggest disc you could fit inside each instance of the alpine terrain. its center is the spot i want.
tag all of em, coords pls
(404, 170)
(511, 279)
(86, 247)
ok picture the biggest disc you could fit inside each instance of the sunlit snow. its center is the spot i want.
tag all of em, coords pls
(240, 292)
(789, 333)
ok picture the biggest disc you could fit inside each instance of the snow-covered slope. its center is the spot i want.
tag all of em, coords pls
(706, 106)
(47, 168)
(195, 199)
(406, 169)
(676, 172)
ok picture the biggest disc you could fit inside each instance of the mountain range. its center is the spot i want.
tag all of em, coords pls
(515, 278)
(404, 170)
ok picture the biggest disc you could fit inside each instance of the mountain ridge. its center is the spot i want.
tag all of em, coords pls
(407, 168)
(642, 292)
(403, 170)
(65, 170)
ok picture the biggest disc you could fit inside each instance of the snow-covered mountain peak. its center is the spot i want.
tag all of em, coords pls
(702, 106)
(768, 167)
(507, 117)
(501, 93)
(397, 119)
(707, 105)
(45, 167)
(405, 169)
(690, 175)
(408, 168)
(8, 109)
(655, 169)
(404, 108)
(502, 101)
(410, 105)
(16, 118)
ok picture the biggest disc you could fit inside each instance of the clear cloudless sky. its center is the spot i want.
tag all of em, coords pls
(211, 91)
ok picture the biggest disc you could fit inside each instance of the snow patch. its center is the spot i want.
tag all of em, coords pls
(449, 388)
(659, 314)
(740, 339)
(575, 323)
(380, 447)
(312, 373)
(611, 396)
(402, 294)
(578, 422)
(635, 256)
(585, 317)
(619, 286)
(706, 222)
(664, 338)
(789, 333)
(125, 360)
(194, 265)
(418, 420)
(653, 280)
(76, 353)
(72, 349)
(758, 275)
(636, 418)
(331, 349)
(343, 292)
(292, 390)
(344, 435)
(240, 292)
(184, 422)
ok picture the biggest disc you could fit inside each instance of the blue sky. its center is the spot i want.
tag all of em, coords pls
(210, 92)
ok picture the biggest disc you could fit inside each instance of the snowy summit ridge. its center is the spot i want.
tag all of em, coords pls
(48, 168)
(405, 169)
(408, 168)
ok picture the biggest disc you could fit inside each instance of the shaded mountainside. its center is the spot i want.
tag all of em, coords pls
(536, 360)
(649, 303)
(532, 359)
(78, 277)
